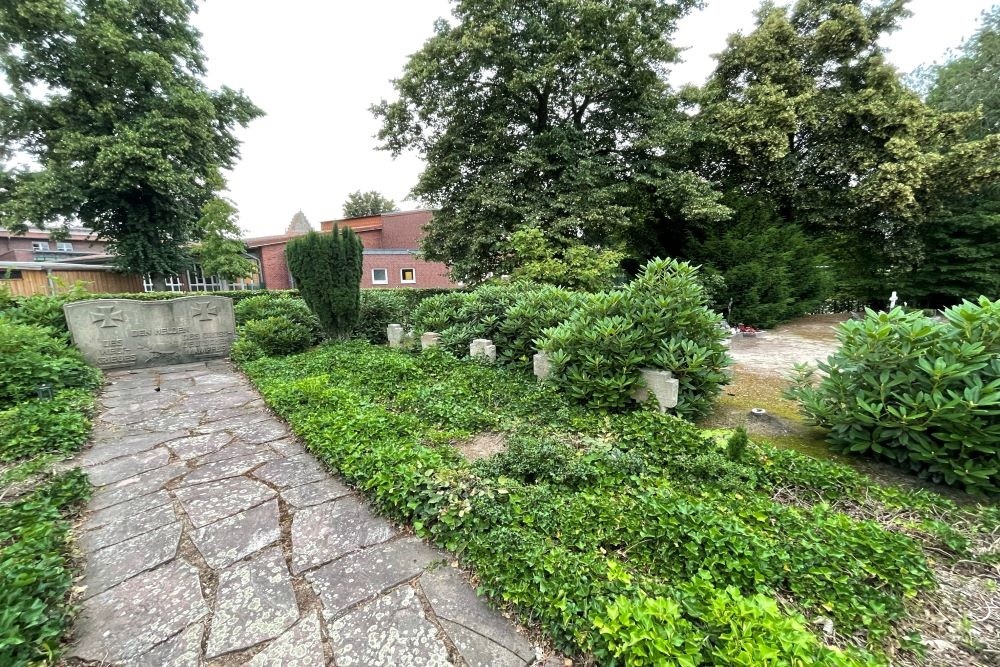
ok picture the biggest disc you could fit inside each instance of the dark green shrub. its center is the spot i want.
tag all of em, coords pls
(327, 270)
(919, 393)
(263, 306)
(461, 317)
(36, 571)
(270, 337)
(33, 356)
(41, 426)
(379, 309)
(659, 320)
(531, 314)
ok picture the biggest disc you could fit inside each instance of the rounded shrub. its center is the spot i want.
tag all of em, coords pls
(379, 309)
(263, 306)
(461, 317)
(270, 337)
(920, 393)
(659, 320)
(33, 356)
(534, 312)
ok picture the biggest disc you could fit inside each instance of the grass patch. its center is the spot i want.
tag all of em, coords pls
(630, 538)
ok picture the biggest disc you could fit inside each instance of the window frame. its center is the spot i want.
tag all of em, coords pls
(40, 246)
(384, 281)
(64, 246)
(412, 281)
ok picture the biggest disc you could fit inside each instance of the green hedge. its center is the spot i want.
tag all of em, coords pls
(917, 392)
(632, 538)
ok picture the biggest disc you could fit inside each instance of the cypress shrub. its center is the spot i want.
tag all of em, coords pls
(327, 272)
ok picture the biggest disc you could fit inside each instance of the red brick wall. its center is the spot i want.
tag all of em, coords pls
(428, 274)
(272, 259)
(404, 230)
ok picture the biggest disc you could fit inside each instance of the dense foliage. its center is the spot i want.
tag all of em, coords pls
(575, 266)
(278, 304)
(273, 336)
(33, 356)
(36, 571)
(547, 115)
(327, 271)
(771, 269)
(379, 309)
(109, 100)
(659, 320)
(360, 203)
(920, 393)
(632, 538)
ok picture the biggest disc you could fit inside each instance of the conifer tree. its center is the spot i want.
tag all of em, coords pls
(327, 272)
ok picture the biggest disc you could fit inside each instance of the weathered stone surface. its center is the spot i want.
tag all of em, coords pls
(262, 431)
(315, 493)
(228, 540)
(324, 532)
(227, 468)
(142, 612)
(140, 505)
(239, 417)
(299, 647)
(453, 600)
(291, 472)
(483, 348)
(394, 333)
(287, 447)
(255, 603)
(128, 527)
(356, 577)
(391, 631)
(184, 650)
(661, 385)
(116, 333)
(112, 565)
(541, 366)
(170, 420)
(199, 445)
(480, 651)
(106, 450)
(233, 451)
(205, 503)
(133, 487)
(430, 339)
(129, 466)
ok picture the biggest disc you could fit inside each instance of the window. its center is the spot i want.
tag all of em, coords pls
(11, 274)
(63, 246)
(380, 276)
(39, 245)
(407, 276)
(173, 283)
(198, 282)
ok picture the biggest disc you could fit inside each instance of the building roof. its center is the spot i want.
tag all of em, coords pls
(259, 241)
(73, 234)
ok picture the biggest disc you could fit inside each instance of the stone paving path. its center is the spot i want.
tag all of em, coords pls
(213, 538)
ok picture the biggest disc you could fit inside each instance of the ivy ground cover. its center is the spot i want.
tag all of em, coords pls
(629, 538)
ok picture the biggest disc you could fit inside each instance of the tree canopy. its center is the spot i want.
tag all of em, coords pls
(359, 204)
(108, 122)
(553, 115)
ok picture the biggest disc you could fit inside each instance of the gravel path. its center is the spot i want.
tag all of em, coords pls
(213, 538)
(775, 352)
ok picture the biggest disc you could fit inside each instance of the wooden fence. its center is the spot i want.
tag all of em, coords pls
(26, 279)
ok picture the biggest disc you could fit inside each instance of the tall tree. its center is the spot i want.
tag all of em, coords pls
(544, 114)
(108, 102)
(221, 252)
(360, 204)
(962, 239)
(327, 272)
(806, 111)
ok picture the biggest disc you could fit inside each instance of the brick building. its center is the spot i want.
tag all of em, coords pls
(35, 245)
(391, 242)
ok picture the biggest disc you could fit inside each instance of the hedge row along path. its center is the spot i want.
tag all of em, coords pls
(214, 538)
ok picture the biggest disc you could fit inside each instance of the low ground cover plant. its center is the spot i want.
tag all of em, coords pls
(920, 393)
(634, 538)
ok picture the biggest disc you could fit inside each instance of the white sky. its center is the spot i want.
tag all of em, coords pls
(316, 66)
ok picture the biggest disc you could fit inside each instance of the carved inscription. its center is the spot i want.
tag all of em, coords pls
(123, 333)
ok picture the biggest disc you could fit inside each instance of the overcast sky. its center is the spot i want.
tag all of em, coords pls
(316, 67)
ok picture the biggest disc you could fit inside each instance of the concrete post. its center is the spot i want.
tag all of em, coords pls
(429, 339)
(542, 366)
(661, 384)
(395, 334)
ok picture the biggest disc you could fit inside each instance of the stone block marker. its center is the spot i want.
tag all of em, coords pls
(542, 366)
(483, 347)
(430, 339)
(125, 333)
(394, 332)
(661, 384)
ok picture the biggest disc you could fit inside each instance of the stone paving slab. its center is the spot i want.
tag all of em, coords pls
(256, 602)
(389, 631)
(205, 502)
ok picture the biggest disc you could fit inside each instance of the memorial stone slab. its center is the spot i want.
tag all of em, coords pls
(125, 333)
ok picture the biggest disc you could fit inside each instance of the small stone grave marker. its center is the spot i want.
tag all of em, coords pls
(126, 333)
